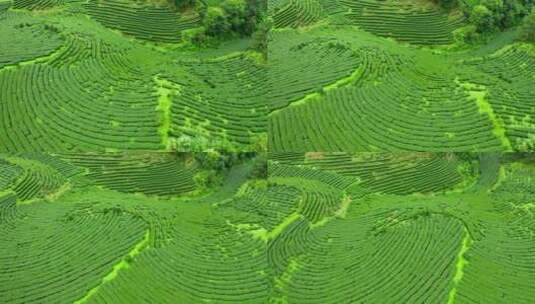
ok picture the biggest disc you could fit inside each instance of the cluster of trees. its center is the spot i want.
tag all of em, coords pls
(214, 164)
(241, 18)
(487, 16)
(491, 15)
(233, 17)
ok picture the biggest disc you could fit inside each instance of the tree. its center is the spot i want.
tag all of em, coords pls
(513, 11)
(195, 36)
(215, 22)
(528, 28)
(256, 11)
(490, 15)
(493, 5)
(482, 18)
(235, 13)
(233, 17)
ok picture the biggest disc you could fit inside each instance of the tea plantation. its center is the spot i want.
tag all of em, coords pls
(86, 227)
(369, 75)
(322, 228)
(267, 151)
(119, 75)
(402, 228)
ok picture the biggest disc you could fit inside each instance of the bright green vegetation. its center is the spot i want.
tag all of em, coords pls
(320, 228)
(486, 17)
(141, 21)
(459, 267)
(123, 264)
(27, 40)
(118, 227)
(226, 105)
(367, 75)
(133, 162)
(293, 13)
(36, 4)
(151, 174)
(418, 228)
(164, 105)
(403, 21)
(117, 75)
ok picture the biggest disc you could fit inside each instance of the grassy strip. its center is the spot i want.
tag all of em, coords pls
(459, 267)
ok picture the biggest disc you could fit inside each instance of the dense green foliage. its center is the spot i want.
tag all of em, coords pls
(487, 16)
(97, 226)
(319, 228)
(230, 18)
(341, 88)
(90, 86)
(457, 226)
(134, 164)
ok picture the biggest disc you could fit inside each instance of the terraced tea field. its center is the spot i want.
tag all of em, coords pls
(322, 228)
(94, 228)
(307, 151)
(340, 75)
(369, 75)
(402, 228)
(114, 75)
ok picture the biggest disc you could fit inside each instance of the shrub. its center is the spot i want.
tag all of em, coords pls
(260, 168)
(212, 160)
(233, 17)
(195, 36)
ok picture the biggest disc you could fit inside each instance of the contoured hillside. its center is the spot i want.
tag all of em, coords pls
(118, 75)
(368, 75)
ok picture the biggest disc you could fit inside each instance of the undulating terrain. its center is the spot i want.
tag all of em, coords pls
(370, 75)
(127, 228)
(113, 75)
(267, 151)
(321, 228)
(403, 228)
